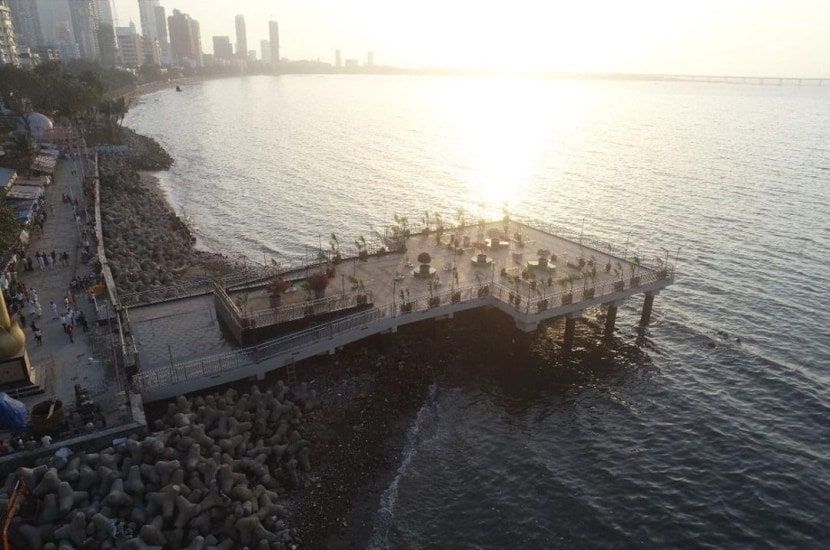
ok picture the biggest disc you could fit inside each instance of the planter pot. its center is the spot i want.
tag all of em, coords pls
(434, 301)
(274, 300)
(663, 274)
(532, 285)
(635, 281)
(362, 300)
(589, 293)
(567, 299)
(518, 301)
(542, 305)
(456, 297)
(337, 258)
(308, 311)
(363, 256)
(319, 293)
(330, 273)
(619, 285)
(511, 297)
(406, 308)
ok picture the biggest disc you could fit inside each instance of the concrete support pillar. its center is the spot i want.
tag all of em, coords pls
(570, 329)
(610, 320)
(647, 303)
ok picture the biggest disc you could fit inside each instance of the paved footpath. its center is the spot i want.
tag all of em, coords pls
(59, 364)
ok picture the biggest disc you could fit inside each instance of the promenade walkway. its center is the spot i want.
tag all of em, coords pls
(58, 364)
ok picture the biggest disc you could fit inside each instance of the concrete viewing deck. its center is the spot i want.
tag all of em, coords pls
(529, 272)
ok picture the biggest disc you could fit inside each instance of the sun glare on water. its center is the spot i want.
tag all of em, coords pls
(503, 137)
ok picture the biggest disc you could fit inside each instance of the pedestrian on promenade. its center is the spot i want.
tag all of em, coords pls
(54, 307)
(22, 319)
(38, 309)
(32, 308)
(40, 261)
(33, 295)
(33, 326)
(51, 209)
(54, 257)
(38, 337)
(82, 320)
(69, 330)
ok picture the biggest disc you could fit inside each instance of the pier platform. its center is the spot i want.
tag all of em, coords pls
(530, 272)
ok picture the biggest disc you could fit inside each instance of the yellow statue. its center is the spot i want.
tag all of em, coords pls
(12, 338)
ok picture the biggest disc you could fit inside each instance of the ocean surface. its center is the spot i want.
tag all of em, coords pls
(704, 440)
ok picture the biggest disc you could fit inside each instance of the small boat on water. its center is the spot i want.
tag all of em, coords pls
(178, 89)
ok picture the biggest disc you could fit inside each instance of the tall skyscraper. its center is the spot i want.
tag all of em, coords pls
(265, 49)
(147, 15)
(241, 37)
(85, 25)
(185, 39)
(222, 48)
(338, 62)
(8, 48)
(163, 37)
(274, 39)
(26, 24)
(130, 50)
(105, 12)
(56, 27)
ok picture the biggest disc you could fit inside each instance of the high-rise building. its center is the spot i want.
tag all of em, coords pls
(8, 47)
(241, 37)
(222, 48)
(26, 23)
(130, 50)
(338, 62)
(185, 39)
(147, 16)
(274, 39)
(105, 13)
(107, 42)
(265, 49)
(370, 59)
(163, 37)
(84, 15)
(56, 27)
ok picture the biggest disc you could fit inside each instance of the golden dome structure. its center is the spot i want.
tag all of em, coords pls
(12, 339)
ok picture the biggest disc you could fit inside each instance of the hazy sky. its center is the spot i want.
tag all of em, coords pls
(738, 37)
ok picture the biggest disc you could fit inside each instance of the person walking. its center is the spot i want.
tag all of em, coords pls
(69, 331)
(54, 307)
(38, 337)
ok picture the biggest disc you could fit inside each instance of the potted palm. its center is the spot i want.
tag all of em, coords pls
(456, 295)
(433, 300)
(635, 266)
(275, 288)
(566, 282)
(483, 290)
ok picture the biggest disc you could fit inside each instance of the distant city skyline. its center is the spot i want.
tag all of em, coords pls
(739, 37)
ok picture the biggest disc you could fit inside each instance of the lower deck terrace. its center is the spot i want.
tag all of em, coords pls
(531, 273)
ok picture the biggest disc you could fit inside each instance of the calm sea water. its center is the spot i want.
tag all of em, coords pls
(698, 446)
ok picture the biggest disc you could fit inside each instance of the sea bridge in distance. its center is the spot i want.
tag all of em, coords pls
(530, 272)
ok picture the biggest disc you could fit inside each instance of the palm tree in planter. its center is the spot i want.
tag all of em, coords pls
(456, 295)
(362, 253)
(635, 266)
(318, 283)
(336, 258)
(406, 304)
(588, 293)
(483, 289)
(542, 304)
(275, 288)
(433, 300)
(618, 271)
(566, 282)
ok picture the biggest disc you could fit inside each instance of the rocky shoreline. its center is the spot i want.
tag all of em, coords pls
(147, 245)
